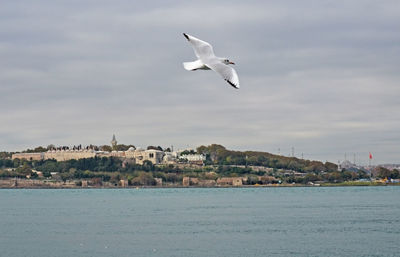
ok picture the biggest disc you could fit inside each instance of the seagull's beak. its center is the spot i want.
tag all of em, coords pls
(231, 63)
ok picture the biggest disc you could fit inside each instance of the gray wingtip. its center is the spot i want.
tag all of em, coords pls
(186, 36)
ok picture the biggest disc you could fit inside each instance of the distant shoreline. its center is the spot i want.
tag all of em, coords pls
(40, 184)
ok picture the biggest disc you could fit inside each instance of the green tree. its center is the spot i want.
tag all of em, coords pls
(6, 163)
(122, 147)
(188, 152)
(39, 149)
(24, 170)
(106, 148)
(5, 155)
(143, 179)
(151, 147)
(386, 173)
(148, 166)
(310, 177)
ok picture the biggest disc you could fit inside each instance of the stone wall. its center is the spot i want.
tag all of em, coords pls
(230, 181)
(32, 183)
(69, 155)
(28, 156)
(188, 181)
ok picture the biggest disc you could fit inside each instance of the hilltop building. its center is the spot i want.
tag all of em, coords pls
(193, 157)
(348, 166)
(138, 156)
(114, 142)
(132, 155)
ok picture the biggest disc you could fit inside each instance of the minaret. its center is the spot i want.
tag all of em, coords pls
(113, 141)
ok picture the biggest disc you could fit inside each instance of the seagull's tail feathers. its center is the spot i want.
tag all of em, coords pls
(192, 65)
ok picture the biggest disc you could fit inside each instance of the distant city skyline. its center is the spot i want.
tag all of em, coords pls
(321, 77)
(355, 159)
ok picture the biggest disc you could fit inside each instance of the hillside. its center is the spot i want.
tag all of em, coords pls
(218, 154)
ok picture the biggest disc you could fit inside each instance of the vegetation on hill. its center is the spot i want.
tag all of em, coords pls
(218, 154)
(382, 172)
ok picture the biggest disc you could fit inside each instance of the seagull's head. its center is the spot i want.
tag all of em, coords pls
(226, 61)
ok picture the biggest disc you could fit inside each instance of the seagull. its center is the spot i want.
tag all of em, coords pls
(208, 61)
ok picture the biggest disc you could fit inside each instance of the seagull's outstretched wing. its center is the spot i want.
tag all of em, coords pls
(202, 49)
(227, 73)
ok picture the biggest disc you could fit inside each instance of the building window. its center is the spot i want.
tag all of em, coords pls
(151, 155)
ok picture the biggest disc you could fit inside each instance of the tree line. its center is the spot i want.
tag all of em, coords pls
(218, 154)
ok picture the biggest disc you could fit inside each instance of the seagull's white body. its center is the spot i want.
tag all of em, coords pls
(208, 61)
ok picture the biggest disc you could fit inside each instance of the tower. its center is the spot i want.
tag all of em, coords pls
(113, 141)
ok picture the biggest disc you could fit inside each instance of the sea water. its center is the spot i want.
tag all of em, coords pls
(301, 221)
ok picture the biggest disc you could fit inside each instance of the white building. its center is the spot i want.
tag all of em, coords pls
(193, 157)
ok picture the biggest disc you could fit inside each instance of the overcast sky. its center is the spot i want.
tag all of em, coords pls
(318, 75)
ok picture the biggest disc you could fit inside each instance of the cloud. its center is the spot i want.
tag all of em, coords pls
(320, 76)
